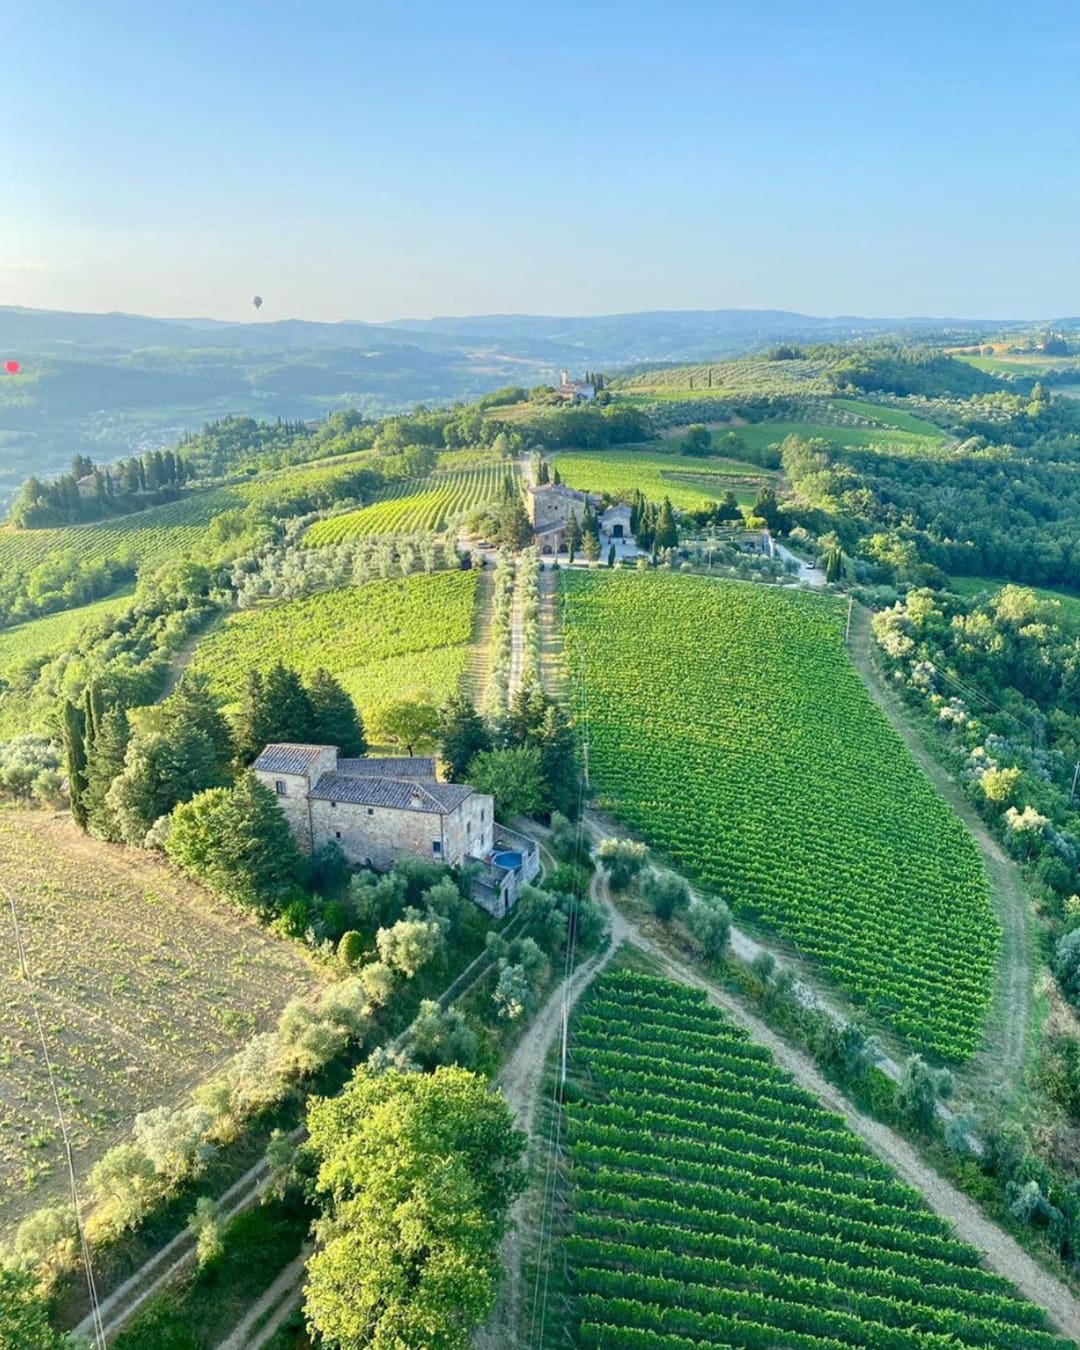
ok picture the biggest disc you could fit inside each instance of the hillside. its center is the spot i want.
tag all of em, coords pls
(106, 385)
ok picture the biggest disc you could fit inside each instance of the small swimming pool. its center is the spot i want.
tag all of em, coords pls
(509, 861)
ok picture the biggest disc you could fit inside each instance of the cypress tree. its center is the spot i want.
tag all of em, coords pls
(193, 703)
(335, 720)
(75, 757)
(573, 535)
(104, 762)
(667, 534)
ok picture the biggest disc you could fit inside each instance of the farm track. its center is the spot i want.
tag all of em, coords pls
(520, 1081)
(999, 1067)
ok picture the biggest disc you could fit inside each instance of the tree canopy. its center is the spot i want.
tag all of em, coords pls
(416, 1175)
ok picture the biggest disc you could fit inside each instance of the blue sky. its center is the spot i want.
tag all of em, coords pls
(376, 160)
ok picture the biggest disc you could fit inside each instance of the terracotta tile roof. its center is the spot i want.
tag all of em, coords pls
(415, 766)
(399, 794)
(288, 758)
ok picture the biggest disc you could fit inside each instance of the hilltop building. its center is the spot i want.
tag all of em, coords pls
(377, 810)
(575, 391)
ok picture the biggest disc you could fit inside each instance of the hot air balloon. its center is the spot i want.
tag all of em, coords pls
(12, 367)
(256, 300)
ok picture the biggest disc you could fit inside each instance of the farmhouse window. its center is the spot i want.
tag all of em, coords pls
(279, 787)
(332, 805)
(337, 834)
(371, 810)
(436, 846)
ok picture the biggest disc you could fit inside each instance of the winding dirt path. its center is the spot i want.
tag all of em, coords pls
(520, 1082)
(1001, 1252)
(999, 1067)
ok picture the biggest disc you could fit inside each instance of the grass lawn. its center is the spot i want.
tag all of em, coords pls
(144, 983)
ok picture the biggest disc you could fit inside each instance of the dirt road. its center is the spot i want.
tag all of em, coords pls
(520, 1083)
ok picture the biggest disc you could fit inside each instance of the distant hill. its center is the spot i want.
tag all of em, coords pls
(110, 384)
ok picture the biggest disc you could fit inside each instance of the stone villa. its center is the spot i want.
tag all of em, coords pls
(376, 810)
(549, 506)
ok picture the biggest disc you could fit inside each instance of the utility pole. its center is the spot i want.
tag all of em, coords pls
(585, 755)
(1076, 775)
(847, 629)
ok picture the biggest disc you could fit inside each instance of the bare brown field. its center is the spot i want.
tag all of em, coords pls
(143, 983)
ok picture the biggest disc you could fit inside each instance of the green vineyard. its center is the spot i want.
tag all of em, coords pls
(144, 537)
(379, 639)
(429, 504)
(728, 726)
(714, 1203)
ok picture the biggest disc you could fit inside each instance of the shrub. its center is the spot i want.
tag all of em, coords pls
(622, 860)
(350, 949)
(205, 1225)
(665, 894)
(709, 922)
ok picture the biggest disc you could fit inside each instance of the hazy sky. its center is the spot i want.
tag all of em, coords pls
(418, 157)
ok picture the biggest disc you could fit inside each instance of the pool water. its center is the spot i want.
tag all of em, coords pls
(508, 860)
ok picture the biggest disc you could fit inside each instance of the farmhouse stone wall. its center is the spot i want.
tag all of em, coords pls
(470, 829)
(381, 834)
(548, 507)
(294, 803)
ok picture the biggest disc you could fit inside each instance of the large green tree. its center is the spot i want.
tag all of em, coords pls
(275, 707)
(697, 440)
(236, 840)
(335, 720)
(514, 777)
(24, 1317)
(411, 723)
(462, 735)
(416, 1174)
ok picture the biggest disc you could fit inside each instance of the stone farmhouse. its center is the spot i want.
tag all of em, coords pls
(549, 506)
(377, 810)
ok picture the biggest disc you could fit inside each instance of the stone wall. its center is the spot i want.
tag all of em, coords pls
(378, 834)
(294, 803)
(470, 829)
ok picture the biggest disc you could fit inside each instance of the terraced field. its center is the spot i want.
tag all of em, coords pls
(728, 726)
(380, 639)
(714, 1203)
(429, 504)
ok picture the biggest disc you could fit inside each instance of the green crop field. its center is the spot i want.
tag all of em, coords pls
(728, 726)
(690, 483)
(896, 418)
(715, 1203)
(745, 376)
(379, 639)
(55, 633)
(419, 504)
